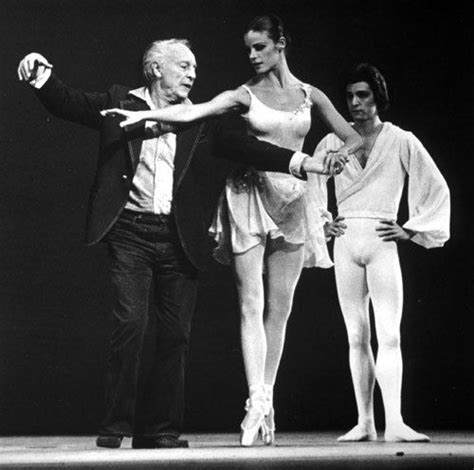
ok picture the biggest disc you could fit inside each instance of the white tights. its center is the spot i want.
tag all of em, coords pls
(368, 268)
(265, 305)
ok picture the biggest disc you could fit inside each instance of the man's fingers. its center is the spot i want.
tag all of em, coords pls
(387, 221)
(23, 70)
(39, 67)
(388, 236)
(42, 61)
(32, 65)
(382, 228)
(111, 112)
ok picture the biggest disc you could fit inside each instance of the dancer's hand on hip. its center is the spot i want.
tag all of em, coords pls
(390, 231)
(335, 228)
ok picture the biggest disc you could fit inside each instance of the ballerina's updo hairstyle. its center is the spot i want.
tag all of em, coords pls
(273, 26)
(156, 52)
(370, 74)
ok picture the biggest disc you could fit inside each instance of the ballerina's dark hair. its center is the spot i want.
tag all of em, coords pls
(368, 73)
(272, 24)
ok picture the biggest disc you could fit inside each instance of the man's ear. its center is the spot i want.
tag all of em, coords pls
(281, 44)
(156, 70)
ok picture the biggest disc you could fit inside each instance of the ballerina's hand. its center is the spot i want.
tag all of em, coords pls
(131, 117)
(335, 162)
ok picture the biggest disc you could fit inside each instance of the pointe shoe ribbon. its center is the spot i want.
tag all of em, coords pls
(268, 428)
(255, 416)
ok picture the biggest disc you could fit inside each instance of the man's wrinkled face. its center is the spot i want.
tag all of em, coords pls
(178, 72)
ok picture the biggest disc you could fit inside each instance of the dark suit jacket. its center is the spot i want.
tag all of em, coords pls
(198, 176)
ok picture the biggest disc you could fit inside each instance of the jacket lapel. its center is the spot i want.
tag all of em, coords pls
(135, 133)
(186, 143)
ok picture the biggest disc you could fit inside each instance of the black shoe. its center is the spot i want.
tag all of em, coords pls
(113, 442)
(159, 442)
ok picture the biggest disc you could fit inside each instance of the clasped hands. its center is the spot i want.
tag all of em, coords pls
(332, 163)
(335, 161)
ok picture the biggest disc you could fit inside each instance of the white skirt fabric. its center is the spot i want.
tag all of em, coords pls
(256, 204)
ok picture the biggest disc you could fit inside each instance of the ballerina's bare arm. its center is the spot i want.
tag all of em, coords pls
(228, 101)
(352, 140)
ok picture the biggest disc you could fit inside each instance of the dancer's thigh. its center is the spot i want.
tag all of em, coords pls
(351, 282)
(283, 264)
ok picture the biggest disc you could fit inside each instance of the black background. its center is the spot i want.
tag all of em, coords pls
(54, 322)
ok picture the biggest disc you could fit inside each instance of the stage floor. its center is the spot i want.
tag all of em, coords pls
(448, 450)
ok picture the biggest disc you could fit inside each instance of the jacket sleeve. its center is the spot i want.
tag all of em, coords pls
(428, 196)
(231, 141)
(73, 105)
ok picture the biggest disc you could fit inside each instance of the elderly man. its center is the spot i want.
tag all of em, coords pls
(151, 203)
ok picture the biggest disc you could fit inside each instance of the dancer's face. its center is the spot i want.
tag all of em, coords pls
(264, 53)
(361, 102)
(178, 72)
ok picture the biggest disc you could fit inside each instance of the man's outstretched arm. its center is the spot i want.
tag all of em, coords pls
(231, 141)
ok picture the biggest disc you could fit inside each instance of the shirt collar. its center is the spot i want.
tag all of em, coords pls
(143, 94)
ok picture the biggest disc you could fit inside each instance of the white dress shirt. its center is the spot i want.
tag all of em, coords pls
(152, 186)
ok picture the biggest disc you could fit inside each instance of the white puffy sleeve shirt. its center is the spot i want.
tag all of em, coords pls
(375, 191)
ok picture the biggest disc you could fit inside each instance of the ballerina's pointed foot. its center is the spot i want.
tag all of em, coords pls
(252, 422)
(268, 428)
(403, 433)
(359, 433)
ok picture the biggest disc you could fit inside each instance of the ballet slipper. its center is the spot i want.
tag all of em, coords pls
(359, 433)
(403, 433)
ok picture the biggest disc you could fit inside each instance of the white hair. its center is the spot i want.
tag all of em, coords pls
(156, 52)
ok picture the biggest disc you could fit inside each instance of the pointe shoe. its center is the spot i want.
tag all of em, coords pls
(268, 428)
(253, 421)
(403, 433)
(359, 433)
